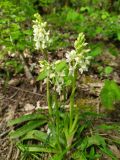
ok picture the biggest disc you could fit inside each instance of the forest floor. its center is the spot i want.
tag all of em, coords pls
(20, 96)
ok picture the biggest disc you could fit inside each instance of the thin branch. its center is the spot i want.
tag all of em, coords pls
(26, 69)
(10, 152)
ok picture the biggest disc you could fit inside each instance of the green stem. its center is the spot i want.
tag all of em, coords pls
(72, 132)
(73, 128)
(48, 84)
(45, 54)
(57, 120)
(72, 98)
(48, 97)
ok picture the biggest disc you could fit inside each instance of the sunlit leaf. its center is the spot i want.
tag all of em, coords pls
(79, 156)
(96, 140)
(110, 94)
(42, 75)
(26, 128)
(35, 134)
(36, 148)
(60, 66)
(108, 70)
(24, 118)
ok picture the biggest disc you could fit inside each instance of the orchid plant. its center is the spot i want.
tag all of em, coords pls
(63, 73)
(60, 74)
(61, 138)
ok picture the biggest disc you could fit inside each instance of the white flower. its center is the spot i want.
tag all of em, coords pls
(41, 36)
(71, 69)
(78, 59)
(52, 75)
(70, 56)
(53, 106)
(59, 81)
(56, 78)
(58, 89)
(48, 131)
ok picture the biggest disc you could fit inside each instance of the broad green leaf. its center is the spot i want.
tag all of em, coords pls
(21, 45)
(15, 35)
(84, 144)
(15, 26)
(113, 50)
(78, 156)
(24, 118)
(68, 82)
(28, 32)
(103, 16)
(118, 36)
(116, 89)
(86, 8)
(110, 94)
(95, 140)
(60, 66)
(96, 52)
(42, 75)
(71, 16)
(108, 70)
(59, 155)
(26, 128)
(98, 30)
(92, 152)
(35, 134)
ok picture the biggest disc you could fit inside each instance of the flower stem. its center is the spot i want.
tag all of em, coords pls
(57, 120)
(72, 98)
(45, 54)
(48, 84)
(48, 97)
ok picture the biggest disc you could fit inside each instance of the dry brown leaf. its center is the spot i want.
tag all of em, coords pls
(14, 82)
(29, 107)
(115, 150)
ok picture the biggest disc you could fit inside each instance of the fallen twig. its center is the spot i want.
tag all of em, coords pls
(24, 90)
(4, 133)
(17, 154)
(14, 95)
(26, 69)
(10, 152)
(46, 107)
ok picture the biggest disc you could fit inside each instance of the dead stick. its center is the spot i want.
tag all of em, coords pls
(17, 154)
(27, 71)
(4, 133)
(24, 90)
(46, 107)
(10, 152)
